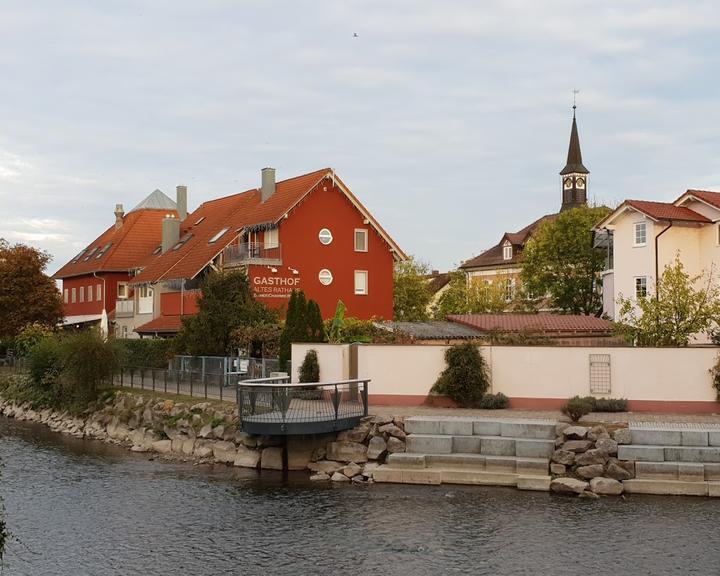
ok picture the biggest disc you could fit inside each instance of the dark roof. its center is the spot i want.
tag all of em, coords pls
(435, 330)
(437, 281)
(539, 323)
(574, 158)
(494, 255)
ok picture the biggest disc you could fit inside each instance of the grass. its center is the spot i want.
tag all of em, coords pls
(185, 399)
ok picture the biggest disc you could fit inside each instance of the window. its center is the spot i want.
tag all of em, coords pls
(98, 292)
(361, 240)
(507, 251)
(82, 293)
(145, 299)
(361, 282)
(104, 249)
(271, 238)
(217, 236)
(641, 287)
(199, 220)
(74, 295)
(325, 236)
(640, 234)
(89, 255)
(509, 289)
(65, 295)
(182, 241)
(325, 277)
(124, 331)
(123, 290)
(90, 294)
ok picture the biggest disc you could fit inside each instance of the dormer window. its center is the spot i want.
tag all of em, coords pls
(217, 236)
(507, 251)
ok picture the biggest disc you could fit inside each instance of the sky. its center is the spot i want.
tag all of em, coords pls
(449, 120)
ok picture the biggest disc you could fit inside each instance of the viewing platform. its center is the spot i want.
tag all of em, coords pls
(275, 407)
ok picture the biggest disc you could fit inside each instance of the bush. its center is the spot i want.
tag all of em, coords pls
(145, 353)
(29, 337)
(310, 368)
(609, 404)
(465, 379)
(577, 407)
(89, 364)
(44, 361)
(494, 401)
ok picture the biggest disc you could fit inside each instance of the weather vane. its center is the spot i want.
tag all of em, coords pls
(575, 93)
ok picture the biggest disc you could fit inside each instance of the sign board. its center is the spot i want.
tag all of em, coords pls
(273, 285)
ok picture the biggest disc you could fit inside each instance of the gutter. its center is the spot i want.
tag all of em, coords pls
(657, 277)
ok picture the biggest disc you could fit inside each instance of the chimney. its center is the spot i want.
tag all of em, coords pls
(181, 201)
(268, 183)
(170, 232)
(119, 213)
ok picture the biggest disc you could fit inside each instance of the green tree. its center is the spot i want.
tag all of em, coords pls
(466, 378)
(303, 323)
(226, 303)
(475, 297)
(560, 261)
(683, 306)
(411, 293)
(27, 294)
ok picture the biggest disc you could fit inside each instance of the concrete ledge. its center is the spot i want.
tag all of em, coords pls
(406, 460)
(433, 477)
(674, 487)
(528, 429)
(695, 437)
(656, 470)
(692, 454)
(439, 425)
(501, 464)
(472, 461)
(714, 489)
(427, 444)
(641, 453)
(691, 472)
(466, 444)
(534, 448)
(712, 472)
(387, 474)
(656, 437)
(486, 428)
(496, 446)
(532, 467)
(538, 483)
(450, 476)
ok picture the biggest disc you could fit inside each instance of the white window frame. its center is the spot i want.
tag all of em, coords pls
(123, 291)
(66, 295)
(271, 238)
(509, 289)
(364, 235)
(325, 277)
(638, 282)
(73, 295)
(361, 290)
(145, 299)
(636, 227)
(325, 236)
(507, 251)
(98, 292)
(90, 293)
(217, 236)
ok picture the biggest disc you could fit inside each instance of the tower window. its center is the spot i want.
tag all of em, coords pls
(507, 251)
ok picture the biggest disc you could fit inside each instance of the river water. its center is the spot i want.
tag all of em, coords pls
(79, 507)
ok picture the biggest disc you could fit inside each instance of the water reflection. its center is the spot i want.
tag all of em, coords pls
(82, 507)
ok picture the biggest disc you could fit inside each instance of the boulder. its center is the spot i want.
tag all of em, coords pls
(327, 466)
(348, 451)
(319, 454)
(590, 495)
(219, 431)
(620, 471)
(162, 446)
(597, 432)
(338, 477)
(559, 441)
(623, 436)
(392, 430)
(319, 476)
(568, 486)
(205, 431)
(203, 449)
(591, 471)
(357, 434)
(376, 448)
(177, 444)
(563, 457)
(557, 469)
(188, 446)
(351, 470)
(246, 439)
(560, 428)
(224, 452)
(577, 445)
(594, 456)
(575, 432)
(246, 458)
(369, 468)
(300, 451)
(607, 444)
(381, 420)
(200, 407)
(607, 486)
(271, 458)
(395, 445)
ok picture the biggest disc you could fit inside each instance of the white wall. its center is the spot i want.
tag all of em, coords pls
(334, 360)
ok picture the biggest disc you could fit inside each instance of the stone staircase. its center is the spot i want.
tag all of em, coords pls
(456, 450)
(674, 459)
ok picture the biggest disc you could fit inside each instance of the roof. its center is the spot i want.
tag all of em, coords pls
(437, 281)
(656, 211)
(436, 330)
(574, 158)
(119, 249)
(494, 255)
(233, 213)
(707, 196)
(161, 325)
(157, 200)
(542, 323)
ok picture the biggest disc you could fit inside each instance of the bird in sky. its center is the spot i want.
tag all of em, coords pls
(355, 35)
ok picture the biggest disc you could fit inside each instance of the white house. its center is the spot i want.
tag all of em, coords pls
(642, 237)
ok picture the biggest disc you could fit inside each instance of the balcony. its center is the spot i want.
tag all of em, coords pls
(124, 308)
(252, 253)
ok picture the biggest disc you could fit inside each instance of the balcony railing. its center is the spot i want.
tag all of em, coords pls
(274, 406)
(252, 253)
(124, 308)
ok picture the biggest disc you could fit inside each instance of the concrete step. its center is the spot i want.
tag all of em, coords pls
(504, 464)
(487, 445)
(461, 426)
(676, 487)
(648, 453)
(674, 436)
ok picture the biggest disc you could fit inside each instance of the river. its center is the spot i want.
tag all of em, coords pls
(78, 507)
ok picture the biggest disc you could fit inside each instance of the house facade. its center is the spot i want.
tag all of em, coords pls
(642, 237)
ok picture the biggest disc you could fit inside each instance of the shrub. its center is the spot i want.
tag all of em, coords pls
(494, 401)
(310, 368)
(29, 337)
(44, 361)
(609, 404)
(465, 379)
(89, 364)
(145, 353)
(577, 407)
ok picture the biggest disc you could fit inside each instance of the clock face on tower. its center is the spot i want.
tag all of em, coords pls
(568, 183)
(580, 182)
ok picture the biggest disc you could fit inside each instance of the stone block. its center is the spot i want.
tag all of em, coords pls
(641, 453)
(486, 428)
(395, 445)
(577, 445)
(325, 466)
(557, 469)
(225, 452)
(563, 457)
(474, 461)
(387, 474)
(478, 477)
(162, 446)
(496, 446)
(594, 456)
(391, 430)
(421, 476)
(655, 437)
(591, 471)
(693, 454)
(534, 448)
(607, 444)
(501, 464)
(347, 452)
(247, 458)
(714, 438)
(674, 487)
(695, 438)
(712, 472)
(691, 472)
(421, 425)
(376, 447)
(532, 466)
(537, 483)
(466, 444)
(429, 444)
(457, 427)
(405, 460)
(575, 432)
(439, 425)
(271, 458)
(339, 477)
(713, 489)
(528, 429)
(606, 486)
(622, 436)
(656, 470)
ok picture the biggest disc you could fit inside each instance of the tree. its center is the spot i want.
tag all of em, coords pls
(27, 294)
(226, 303)
(683, 306)
(465, 379)
(411, 293)
(475, 297)
(560, 261)
(303, 323)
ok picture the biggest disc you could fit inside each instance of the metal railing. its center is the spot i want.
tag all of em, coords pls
(186, 383)
(274, 406)
(252, 253)
(235, 367)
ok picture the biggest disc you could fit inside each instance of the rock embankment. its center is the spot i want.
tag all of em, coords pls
(585, 461)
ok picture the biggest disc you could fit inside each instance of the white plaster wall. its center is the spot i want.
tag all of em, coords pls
(630, 261)
(334, 360)
(408, 370)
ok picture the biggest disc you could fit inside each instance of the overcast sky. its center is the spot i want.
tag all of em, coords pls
(450, 120)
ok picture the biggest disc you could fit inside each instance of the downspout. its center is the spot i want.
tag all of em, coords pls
(104, 291)
(657, 277)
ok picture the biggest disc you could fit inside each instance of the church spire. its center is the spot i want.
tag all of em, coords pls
(574, 158)
(574, 176)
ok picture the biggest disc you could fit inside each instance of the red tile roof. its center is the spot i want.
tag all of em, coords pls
(161, 325)
(712, 198)
(543, 323)
(135, 240)
(666, 211)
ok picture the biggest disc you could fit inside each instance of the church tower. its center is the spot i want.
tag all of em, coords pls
(574, 175)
